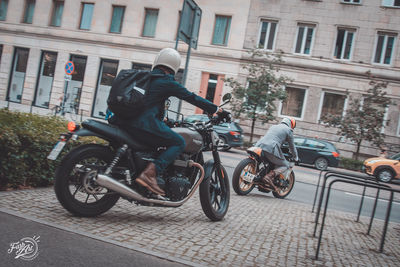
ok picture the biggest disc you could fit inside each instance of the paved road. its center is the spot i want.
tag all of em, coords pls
(62, 248)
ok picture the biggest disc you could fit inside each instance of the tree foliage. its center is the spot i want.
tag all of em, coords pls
(256, 98)
(364, 118)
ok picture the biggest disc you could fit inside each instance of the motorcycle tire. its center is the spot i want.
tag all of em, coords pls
(68, 171)
(240, 186)
(215, 194)
(286, 192)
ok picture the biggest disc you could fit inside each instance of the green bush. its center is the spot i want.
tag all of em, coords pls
(350, 164)
(25, 141)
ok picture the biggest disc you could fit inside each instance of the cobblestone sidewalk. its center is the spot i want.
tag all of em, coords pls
(257, 231)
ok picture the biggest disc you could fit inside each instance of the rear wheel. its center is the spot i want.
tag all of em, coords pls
(214, 193)
(74, 182)
(285, 186)
(223, 143)
(239, 184)
(384, 175)
(321, 163)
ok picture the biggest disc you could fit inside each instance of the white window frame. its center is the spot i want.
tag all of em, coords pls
(353, 2)
(390, 3)
(321, 102)
(384, 47)
(303, 42)
(347, 30)
(303, 108)
(398, 127)
(268, 33)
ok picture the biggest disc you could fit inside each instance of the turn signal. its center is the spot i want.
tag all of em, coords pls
(335, 154)
(72, 126)
(234, 133)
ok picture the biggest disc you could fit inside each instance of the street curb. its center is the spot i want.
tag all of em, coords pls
(138, 249)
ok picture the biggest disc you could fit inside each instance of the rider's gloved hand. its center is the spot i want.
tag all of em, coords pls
(223, 115)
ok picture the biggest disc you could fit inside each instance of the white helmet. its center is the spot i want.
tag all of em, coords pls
(290, 122)
(168, 57)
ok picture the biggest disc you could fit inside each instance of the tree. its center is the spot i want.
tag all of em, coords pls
(255, 99)
(364, 118)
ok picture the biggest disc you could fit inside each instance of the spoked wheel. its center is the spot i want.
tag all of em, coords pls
(74, 184)
(239, 184)
(214, 193)
(284, 185)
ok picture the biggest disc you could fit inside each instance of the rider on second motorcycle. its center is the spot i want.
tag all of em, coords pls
(271, 145)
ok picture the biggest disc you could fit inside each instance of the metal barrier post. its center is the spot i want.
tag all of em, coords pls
(361, 203)
(373, 211)
(389, 208)
(316, 191)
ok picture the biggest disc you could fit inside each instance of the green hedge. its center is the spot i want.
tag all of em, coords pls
(25, 141)
(350, 164)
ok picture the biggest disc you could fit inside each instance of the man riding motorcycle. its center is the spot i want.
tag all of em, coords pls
(149, 128)
(271, 144)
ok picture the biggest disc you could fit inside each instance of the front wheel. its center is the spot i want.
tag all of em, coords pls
(74, 182)
(285, 186)
(214, 193)
(246, 166)
(384, 175)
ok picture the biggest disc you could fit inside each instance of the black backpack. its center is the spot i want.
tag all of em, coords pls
(126, 98)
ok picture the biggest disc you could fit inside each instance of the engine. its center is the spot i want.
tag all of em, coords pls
(177, 187)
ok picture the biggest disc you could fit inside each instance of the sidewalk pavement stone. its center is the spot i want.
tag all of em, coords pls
(258, 230)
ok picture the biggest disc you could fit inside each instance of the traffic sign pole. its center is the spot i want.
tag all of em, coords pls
(69, 70)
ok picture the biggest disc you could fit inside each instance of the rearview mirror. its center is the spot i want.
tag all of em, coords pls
(227, 97)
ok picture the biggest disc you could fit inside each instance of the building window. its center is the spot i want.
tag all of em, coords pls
(294, 104)
(117, 19)
(332, 104)
(3, 9)
(267, 35)
(352, 1)
(17, 76)
(86, 17)
(221, 30)
(45, 80)
(107, 73)
(384, 48)
(150, 22)
(58, 7)
(304, 39)
(344, 43)
(391, 3)
(29, 10)
(74, 87)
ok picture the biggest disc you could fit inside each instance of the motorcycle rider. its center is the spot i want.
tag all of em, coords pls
(149, 128)
(271, 145)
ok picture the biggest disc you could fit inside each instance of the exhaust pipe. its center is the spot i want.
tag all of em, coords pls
(110, 183)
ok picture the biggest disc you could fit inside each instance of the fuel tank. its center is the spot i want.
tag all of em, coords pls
(193, 140)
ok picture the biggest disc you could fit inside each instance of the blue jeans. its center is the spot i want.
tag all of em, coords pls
(174, 143)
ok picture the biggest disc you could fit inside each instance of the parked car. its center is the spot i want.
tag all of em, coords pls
(230, 134)
(321, 154)
(384, 169)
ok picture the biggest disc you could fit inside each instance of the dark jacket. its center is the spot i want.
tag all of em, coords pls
(161, 88)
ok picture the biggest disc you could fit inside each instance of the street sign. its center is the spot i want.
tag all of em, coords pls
(67, 77)
(190, 23)
(69, 68)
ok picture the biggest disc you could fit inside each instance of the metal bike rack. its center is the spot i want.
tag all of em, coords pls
(344, 175)
(365, 183)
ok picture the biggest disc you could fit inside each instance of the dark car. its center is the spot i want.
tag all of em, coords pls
(230, 134)
(321, 154)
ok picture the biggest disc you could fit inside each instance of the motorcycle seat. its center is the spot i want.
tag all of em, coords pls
(112, 132)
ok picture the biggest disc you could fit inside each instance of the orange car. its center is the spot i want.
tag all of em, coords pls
(384, 169)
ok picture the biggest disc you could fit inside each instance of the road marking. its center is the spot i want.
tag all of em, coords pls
(394, 202)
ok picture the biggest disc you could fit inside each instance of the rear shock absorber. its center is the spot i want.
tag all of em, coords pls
(121, 151)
